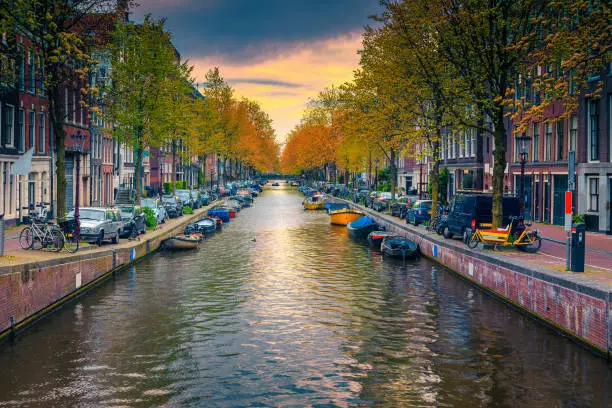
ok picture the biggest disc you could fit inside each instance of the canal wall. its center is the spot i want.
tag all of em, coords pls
(29, 291)
(571, 304)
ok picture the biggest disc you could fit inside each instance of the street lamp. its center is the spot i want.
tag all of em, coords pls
(523, 146)
(78, 147)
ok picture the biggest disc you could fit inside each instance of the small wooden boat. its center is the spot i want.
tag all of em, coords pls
(399, 247)
(180, 242)
(344, 216)
(316, 202)
(375, 238)
(361, 227)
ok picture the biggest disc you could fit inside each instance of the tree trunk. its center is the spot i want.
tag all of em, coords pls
(137, 174)
(59, 134)
(499, 167)
(433, 177)
(173, 175)
(370, 171)
(393, 173)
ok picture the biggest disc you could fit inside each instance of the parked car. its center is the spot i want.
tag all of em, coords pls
(173, 206)
(99, 224)
(158, 208)
(134, 221)
(204, 198)
(381, 203)
(400, 207)
(185, 197)
(419, 212)
(471, 211)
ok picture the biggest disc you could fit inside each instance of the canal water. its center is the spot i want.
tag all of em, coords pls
(281, 309)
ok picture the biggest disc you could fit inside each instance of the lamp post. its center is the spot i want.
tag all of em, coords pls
(523, 145)
(78, 147)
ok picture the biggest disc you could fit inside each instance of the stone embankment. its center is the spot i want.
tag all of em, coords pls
(32, 289)
(571, 304)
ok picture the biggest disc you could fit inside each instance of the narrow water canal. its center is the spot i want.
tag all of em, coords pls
(280, 309)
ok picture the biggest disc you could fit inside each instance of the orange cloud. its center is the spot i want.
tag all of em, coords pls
(283, 83)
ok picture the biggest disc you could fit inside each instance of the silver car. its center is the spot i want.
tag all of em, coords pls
(99, 224)
(158, 208)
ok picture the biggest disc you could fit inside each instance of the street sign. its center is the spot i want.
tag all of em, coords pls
(568, 211)
(571, 170)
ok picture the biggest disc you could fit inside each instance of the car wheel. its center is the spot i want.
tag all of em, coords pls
(116, 237)
(100, 239)
(447, 233)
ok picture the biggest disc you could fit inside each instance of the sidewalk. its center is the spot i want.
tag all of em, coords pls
(14, 255)
(594, 240)
(598, 263)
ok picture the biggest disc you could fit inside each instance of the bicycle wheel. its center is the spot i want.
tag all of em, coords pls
(532, 243)
(473, 241)
(26, 238)
(71, 244)
(56, 240)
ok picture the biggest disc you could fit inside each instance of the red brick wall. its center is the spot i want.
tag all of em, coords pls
(579, 314)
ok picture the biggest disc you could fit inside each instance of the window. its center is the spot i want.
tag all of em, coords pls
(31, 73)
(453, 147)
(66, 106)
(488, 144)
(547, 142)
(593, 130)
(461, 145)
(41, 76)
(41, 132)
(21, 73)
(594, 194)
(21, 131)
(8, 137)
(536, 141)
(560, 139)
(31, 129)
(473, 141)
(573, 132)
(74, 106)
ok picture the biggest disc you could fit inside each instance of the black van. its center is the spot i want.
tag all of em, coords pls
(471, 211)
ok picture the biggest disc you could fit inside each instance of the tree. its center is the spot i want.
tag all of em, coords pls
(484, 44)
(150, 90)
(54, 27)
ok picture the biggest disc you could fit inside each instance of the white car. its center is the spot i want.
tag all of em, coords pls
(158, 208)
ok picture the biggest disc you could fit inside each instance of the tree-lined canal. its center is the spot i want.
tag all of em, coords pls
(280, 309)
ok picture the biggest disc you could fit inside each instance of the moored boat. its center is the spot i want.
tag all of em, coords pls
(220, 213)
(344, 215)
(205, 225)
(375, 238)
(180, 242)
(316, 202)
(361, 227)
(336, 206)
(399, 247)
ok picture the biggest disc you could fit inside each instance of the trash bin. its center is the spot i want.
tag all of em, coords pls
(578, 247)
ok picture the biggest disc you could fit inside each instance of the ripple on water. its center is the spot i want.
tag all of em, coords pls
(303, 316)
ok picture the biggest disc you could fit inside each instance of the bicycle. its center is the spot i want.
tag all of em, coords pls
(528, 240)
(67, 227)
(40, 233)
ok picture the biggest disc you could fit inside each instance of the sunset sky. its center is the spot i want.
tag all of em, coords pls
(277, 52)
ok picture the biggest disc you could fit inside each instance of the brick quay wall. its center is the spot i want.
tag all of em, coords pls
(29, 291)
(572, 305)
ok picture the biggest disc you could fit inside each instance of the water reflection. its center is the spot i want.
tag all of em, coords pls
(282, 309)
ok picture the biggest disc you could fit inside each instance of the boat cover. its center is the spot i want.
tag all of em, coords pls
(362, 222)
(336, 206)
